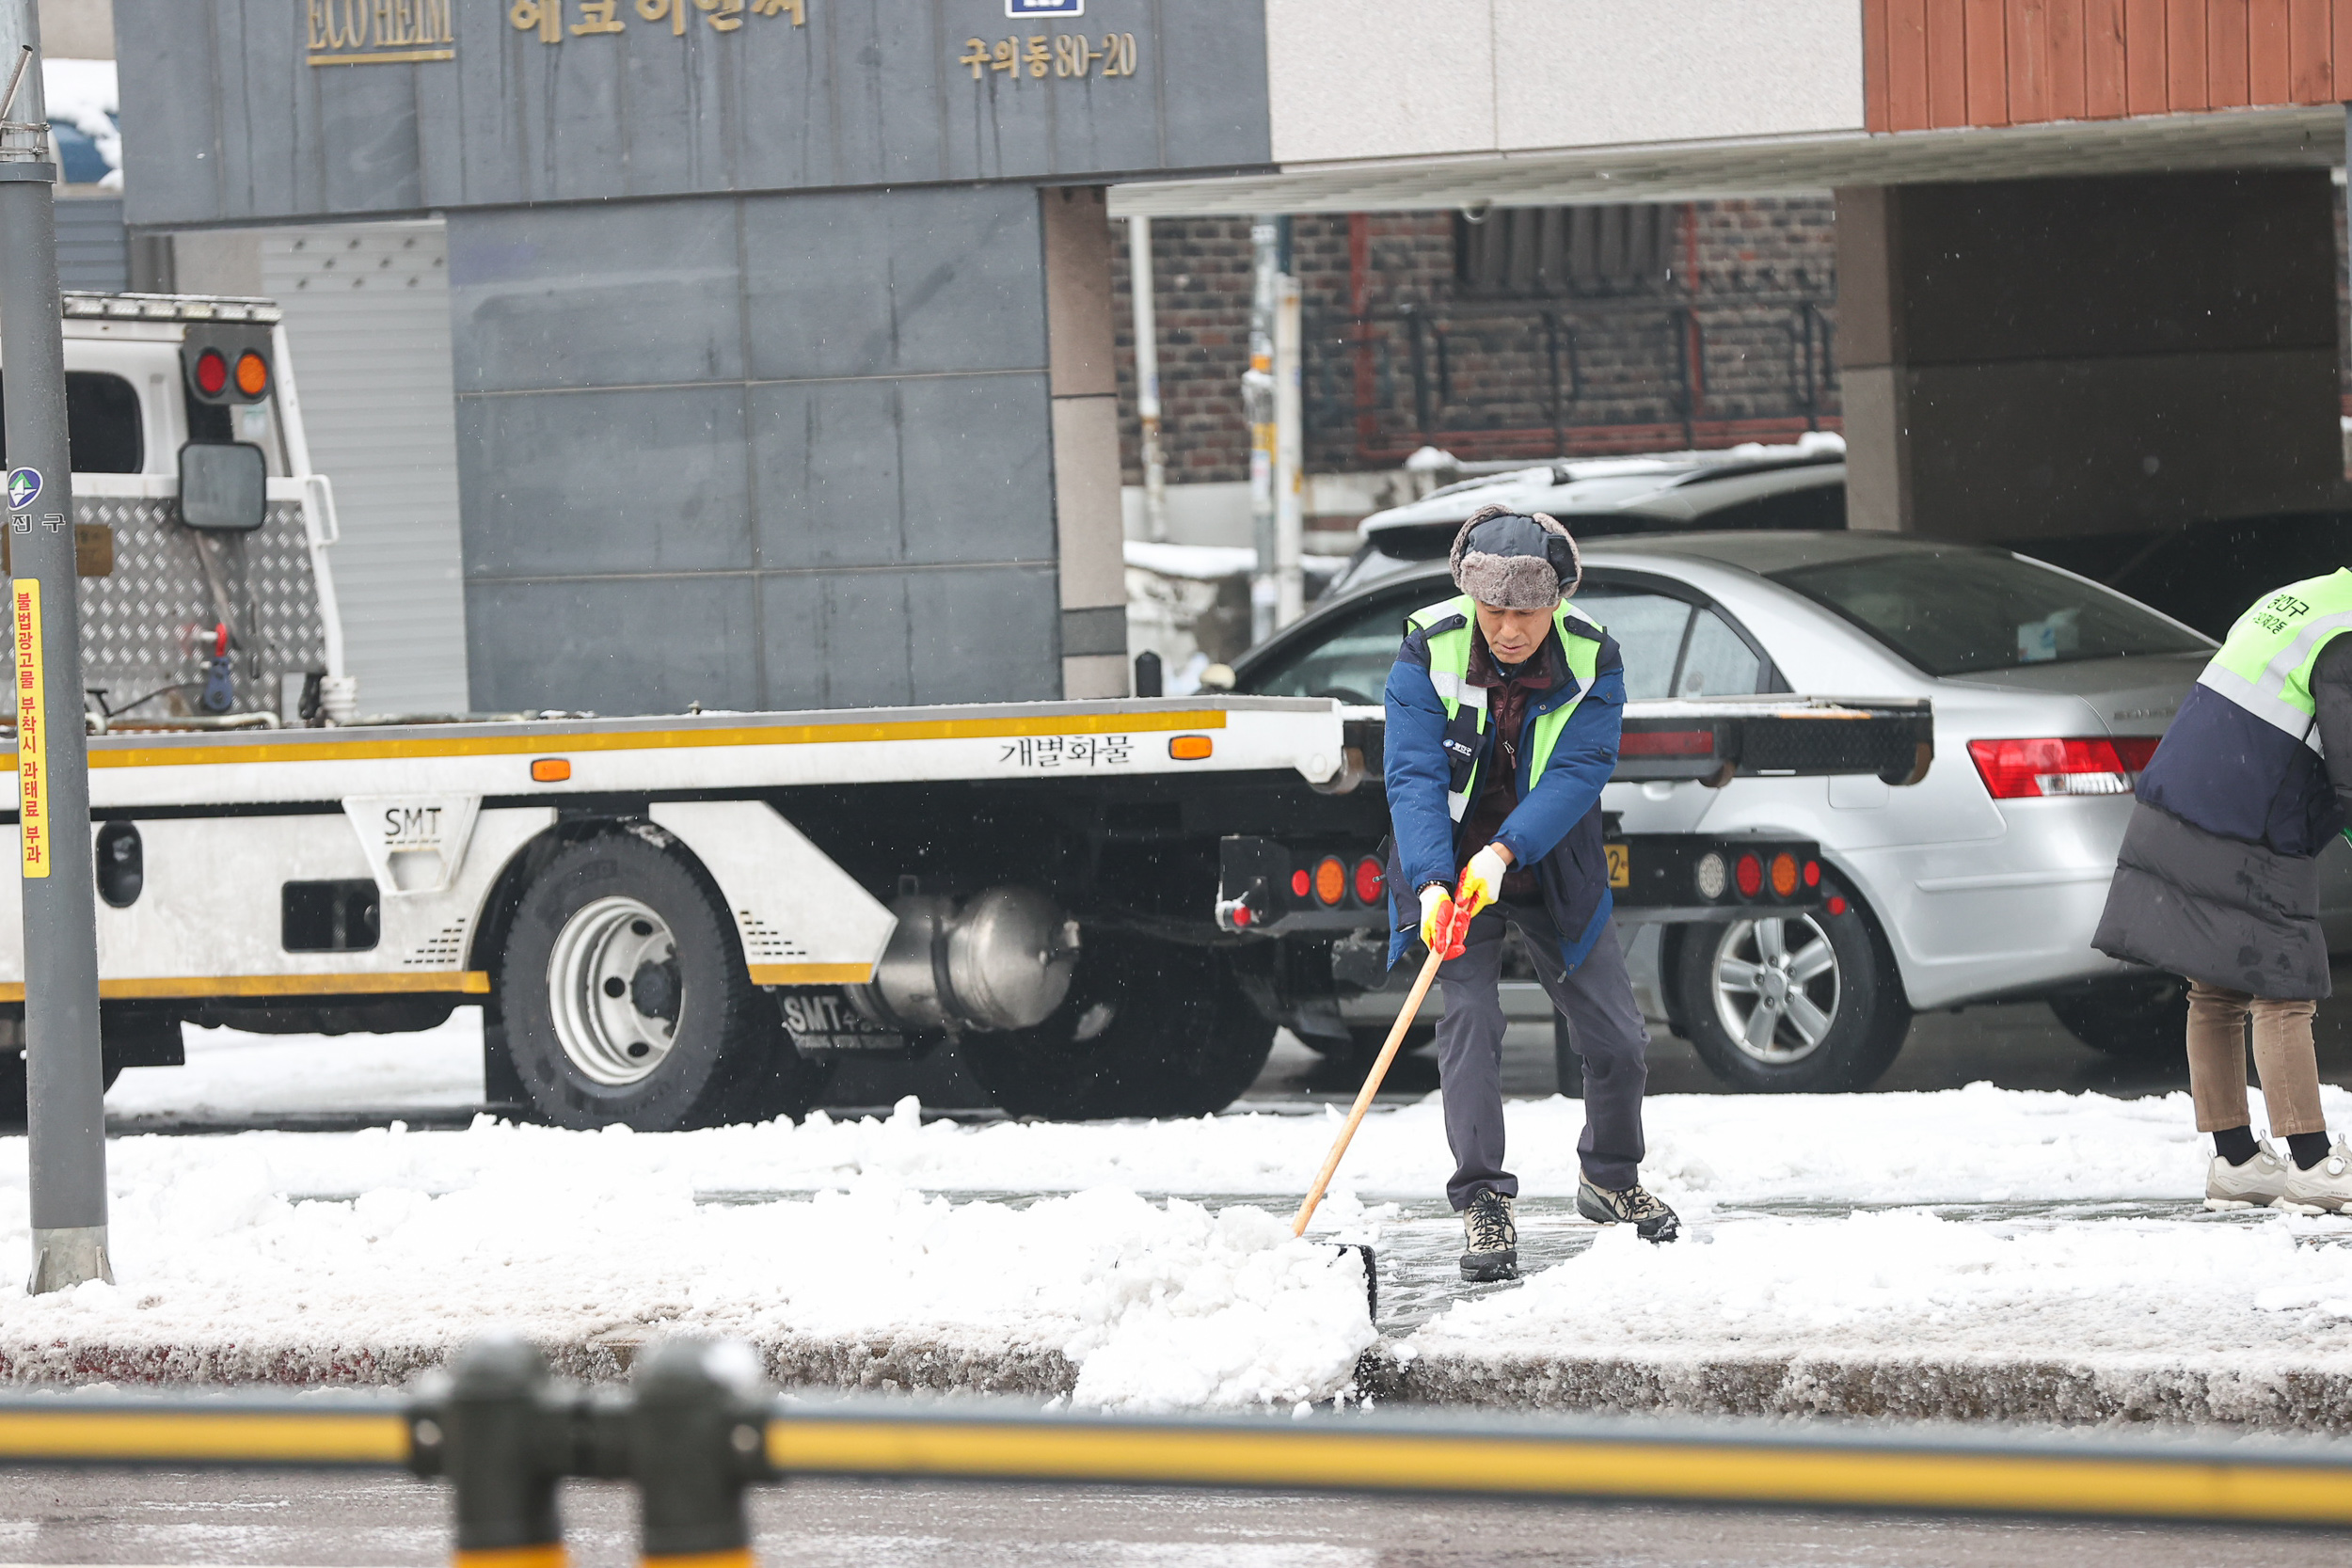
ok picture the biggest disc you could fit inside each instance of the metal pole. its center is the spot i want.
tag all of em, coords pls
(65, 1080)
(1290, 600)
(1139, 289)
(1257, 398)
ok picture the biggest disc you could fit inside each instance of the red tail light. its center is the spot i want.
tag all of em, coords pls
(1301, 883)
(2021, 769)
(2138, 750)
(1749, 873)
(1370, 880)
(211, 372)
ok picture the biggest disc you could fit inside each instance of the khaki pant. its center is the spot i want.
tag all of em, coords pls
(2283, 1055)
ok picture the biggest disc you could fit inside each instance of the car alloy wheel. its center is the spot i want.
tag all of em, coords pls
(1776, 987)
(614, 992)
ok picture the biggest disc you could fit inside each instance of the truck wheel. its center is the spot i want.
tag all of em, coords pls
(625, 998)
(1799, 1004)
(1149, 1029)
(2140, 1019)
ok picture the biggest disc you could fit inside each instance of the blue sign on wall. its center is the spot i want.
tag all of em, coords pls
(1045, 7)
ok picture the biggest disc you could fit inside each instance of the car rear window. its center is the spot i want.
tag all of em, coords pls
(1957, 612)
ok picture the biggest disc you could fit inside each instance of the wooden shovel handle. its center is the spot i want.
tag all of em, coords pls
(1371, 1084)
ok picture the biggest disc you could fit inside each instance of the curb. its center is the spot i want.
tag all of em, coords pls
(2068, 1393)
(882, 1364)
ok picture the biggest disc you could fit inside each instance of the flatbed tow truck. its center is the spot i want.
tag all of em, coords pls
(675, 920)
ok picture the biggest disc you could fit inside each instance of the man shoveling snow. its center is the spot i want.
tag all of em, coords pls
(1503, 714)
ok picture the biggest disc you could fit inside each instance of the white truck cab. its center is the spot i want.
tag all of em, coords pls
(192, 619)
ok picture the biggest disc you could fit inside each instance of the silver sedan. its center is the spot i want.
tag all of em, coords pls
(1980, 883)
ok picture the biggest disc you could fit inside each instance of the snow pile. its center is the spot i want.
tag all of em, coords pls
(1155, 1304)
(2250, 1294)
(1978, 1145)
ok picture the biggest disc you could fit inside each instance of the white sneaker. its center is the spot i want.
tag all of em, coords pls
(2324, 1189)
(2256, 1184)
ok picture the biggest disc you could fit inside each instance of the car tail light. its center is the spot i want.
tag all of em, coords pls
(2021, 769)
(1784, 875)
(252, 374)
(1302, 883)
(211, 372)
(1749, 873)
(2138, 750)
(1371, 880)
(1330, 880)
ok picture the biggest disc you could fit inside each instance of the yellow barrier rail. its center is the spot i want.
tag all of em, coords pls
(2301, 1482)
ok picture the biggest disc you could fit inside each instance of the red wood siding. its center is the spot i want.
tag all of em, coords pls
(1928, 63)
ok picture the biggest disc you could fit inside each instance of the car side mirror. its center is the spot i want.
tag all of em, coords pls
(1217, 677)
(224, 486)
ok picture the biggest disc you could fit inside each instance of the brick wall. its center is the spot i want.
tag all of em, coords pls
(1479, 373)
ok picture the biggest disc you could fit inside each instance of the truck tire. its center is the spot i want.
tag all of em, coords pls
(1149, 1029)
(2138, 1019)
(625, 999)
(1796, 1004)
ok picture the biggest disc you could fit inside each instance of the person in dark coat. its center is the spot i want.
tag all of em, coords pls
(1503, 712)
(2217, 881)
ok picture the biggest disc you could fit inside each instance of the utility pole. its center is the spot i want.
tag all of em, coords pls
(1290, 598)
(1140, 291)
(65, 1080)
(1257, 391)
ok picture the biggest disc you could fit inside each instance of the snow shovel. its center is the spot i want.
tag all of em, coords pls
(1448, 939)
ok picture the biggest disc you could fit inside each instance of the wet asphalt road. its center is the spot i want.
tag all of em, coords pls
(63, 1517)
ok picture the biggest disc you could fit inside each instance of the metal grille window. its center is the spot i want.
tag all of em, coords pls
(1520, 252)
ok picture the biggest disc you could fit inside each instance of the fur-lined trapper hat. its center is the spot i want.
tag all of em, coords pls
(1516, 559)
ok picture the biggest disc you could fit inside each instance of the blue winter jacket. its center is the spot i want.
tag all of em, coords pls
(1556, 827)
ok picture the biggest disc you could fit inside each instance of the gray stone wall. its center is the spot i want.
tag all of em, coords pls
(759, 451)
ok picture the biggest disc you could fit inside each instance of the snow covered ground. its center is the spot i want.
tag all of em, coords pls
(1972, 1223)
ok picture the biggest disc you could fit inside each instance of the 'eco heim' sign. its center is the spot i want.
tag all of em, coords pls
(379, 32)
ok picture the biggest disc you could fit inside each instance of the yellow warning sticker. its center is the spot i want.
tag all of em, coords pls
(1620, 864)
(32, 739)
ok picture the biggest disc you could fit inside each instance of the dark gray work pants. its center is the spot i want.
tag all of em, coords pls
(1605, 1028)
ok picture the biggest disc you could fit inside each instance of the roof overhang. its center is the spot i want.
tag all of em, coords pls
(1777, 165)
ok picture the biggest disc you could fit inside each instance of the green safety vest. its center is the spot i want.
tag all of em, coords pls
(2264, 665)
(1450, 627)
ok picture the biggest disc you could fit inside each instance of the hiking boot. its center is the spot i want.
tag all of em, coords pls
(2324, 1189)
(1650, 1219)
(1492, 1239)
(2256, 1184)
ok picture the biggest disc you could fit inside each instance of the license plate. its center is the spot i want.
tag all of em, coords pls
(1620, 864)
